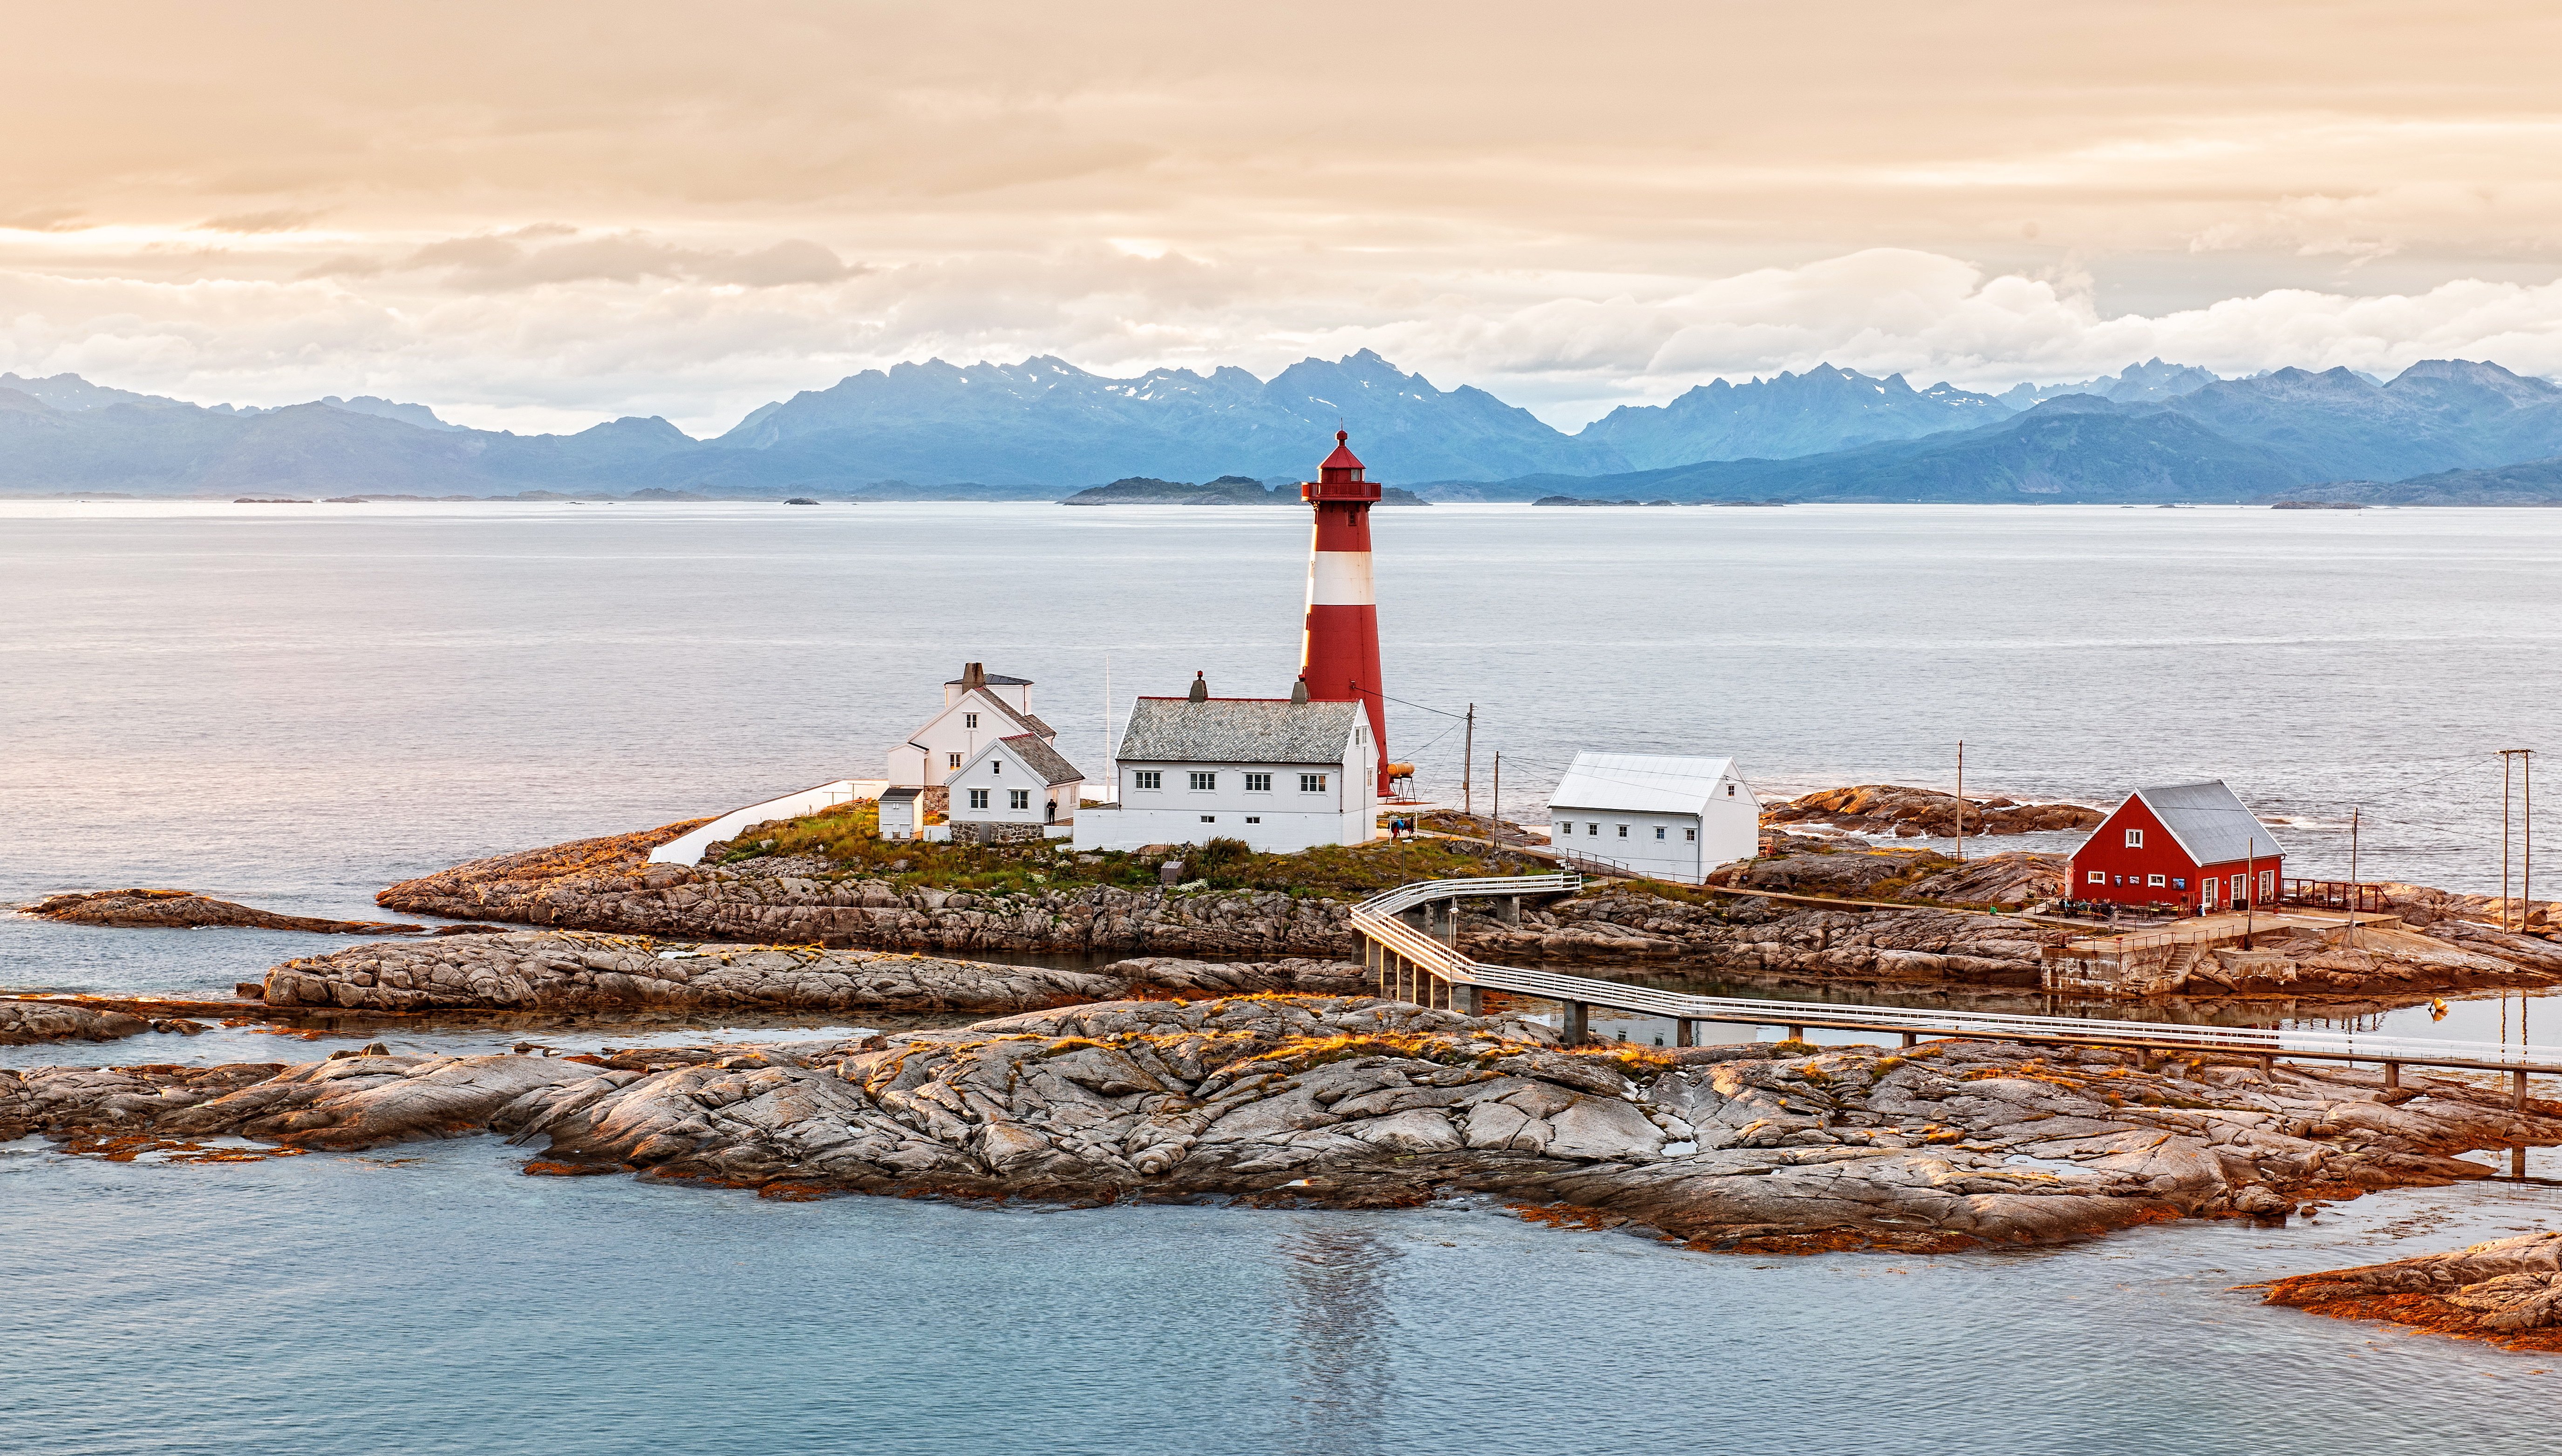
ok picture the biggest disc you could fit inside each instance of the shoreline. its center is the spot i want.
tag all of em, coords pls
(1352, 1102)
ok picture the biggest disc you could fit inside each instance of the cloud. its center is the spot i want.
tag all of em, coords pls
(501, 262)
(274, 220)
(545, 331)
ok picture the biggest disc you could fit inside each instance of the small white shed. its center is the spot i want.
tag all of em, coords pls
(1673, 818)
(901, 816)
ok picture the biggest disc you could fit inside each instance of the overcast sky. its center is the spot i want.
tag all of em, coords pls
(542, 216)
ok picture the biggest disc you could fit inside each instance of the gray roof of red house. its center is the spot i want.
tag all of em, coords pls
(1042, 759)
(1237, 731)
(2209, 821)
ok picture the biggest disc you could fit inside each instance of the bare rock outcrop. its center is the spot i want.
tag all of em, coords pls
(578, 970)
(1351, 1102)
(25, 1023)
(1892, 809)
(609, 885)
(188, 910)
(2507, 1291)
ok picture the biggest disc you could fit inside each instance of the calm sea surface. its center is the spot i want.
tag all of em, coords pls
(294, 705)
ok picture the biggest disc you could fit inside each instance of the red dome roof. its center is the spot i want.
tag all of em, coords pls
(1342, 459)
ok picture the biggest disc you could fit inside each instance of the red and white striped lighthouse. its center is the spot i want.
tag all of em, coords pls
(1339, 657)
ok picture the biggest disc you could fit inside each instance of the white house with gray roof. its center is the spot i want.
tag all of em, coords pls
(1673, 818)
(1015, 787)
(979, 707)
(1280, 774)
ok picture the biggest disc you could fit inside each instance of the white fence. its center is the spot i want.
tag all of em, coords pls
(687, 848)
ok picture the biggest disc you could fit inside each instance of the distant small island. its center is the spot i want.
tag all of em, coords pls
(1226, 490)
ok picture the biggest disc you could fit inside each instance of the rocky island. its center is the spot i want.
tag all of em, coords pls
(1352, 1102)
(1827, 909)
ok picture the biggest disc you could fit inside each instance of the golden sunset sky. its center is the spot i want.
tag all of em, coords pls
(540, 216)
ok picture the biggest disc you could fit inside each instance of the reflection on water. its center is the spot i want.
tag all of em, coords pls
(1340, 1352)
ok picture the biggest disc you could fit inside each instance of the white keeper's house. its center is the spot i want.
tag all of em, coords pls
(979, 709)
(1673, 818)
(1015, 787)
(1280, 774)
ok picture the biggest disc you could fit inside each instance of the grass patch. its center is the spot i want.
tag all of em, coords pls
(847, 838)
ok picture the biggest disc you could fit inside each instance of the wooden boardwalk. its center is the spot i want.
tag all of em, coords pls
(1413, 962)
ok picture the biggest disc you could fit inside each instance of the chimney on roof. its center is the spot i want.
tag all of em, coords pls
(1200, 688)
(973, 675)
(1299, 691)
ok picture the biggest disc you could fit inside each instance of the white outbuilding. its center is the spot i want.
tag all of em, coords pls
(1673, 818)
(1280, 774)
(1015, 787)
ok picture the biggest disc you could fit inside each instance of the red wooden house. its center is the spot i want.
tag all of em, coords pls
(2189, 845)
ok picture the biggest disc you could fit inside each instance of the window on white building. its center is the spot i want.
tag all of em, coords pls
(977, 799)
(1729, 790)
(1210, 818)
(1258, 783)
(1692, 835)
(1312, 783)
(1254, 819)
(968, 721)
(1659, 831)
(1591, 829)
(1018, 799)
(2135, 838)
(1624, 832)
(1204, 780)
(956, 760)
(1147, 778)
(996, 766)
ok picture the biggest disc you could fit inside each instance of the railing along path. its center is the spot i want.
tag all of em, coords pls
(1417, 966)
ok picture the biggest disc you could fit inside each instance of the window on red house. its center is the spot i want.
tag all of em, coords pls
(2135, 838)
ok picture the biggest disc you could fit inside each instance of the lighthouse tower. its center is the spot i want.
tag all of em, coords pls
(1339, 657)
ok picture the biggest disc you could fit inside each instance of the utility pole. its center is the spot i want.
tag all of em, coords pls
(1109, 766)
(2251, 888)
(1468, 771)
(1961, 800)
(2356, 891)
(1494, 831)
(2514, 776)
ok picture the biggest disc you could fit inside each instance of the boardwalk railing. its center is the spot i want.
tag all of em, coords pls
(1416, 966)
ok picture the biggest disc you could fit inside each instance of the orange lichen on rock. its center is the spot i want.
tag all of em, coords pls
(2507, 1292)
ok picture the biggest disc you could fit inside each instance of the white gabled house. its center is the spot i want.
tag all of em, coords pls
(1015, 787)
(1673, 818)
(1280, 774)
(977, 709)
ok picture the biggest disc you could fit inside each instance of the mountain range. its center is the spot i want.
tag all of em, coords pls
(1043, 428)
(2435, 434)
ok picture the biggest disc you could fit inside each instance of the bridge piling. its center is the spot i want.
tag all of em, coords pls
(1912, 1039)
(2393, 1075)
(1685, 1032)
(1577, 1023)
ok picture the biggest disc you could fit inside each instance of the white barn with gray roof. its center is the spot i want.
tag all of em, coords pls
(1279, 774)
(1673, 818)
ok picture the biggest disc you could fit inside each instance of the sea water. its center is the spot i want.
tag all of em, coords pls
(294, 705)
